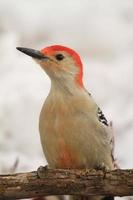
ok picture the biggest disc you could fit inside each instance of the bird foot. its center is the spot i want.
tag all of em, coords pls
(41, 171)
(103, 167)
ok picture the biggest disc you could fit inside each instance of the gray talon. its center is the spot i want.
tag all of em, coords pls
(41, 171)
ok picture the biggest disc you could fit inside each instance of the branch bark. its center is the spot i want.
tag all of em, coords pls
(66, 182)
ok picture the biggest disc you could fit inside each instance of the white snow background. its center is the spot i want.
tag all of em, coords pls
(101, 32)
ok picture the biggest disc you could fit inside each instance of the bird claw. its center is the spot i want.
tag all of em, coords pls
(41, 171)
(103, 167)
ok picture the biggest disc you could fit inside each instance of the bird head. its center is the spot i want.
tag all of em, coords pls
(60, 63)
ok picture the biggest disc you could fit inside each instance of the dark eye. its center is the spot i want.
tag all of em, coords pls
(59, 57)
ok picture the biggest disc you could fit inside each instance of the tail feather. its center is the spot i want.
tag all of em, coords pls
(91, 198)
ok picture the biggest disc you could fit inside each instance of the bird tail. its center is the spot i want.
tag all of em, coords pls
(91, 197)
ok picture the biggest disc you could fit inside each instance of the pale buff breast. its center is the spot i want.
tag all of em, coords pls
(70, 136)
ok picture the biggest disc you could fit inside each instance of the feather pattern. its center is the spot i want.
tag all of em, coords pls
(108, 126)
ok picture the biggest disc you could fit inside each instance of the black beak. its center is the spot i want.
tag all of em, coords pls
(33, 53)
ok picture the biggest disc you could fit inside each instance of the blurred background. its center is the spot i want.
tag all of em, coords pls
(101, 32)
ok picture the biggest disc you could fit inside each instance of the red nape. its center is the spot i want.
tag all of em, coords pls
(51, 49)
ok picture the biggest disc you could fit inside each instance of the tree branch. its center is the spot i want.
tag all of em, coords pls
(66, 182)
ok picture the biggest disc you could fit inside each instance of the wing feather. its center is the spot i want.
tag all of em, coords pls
(108, 126)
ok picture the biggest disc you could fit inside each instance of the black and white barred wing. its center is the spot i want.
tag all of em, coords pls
(108, 126)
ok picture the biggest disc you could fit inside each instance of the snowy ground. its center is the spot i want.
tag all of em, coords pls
(101, 31)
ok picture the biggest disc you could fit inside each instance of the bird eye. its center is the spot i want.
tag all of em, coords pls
(59, 57)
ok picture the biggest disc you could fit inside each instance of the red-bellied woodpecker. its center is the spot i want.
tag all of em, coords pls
(73, 130)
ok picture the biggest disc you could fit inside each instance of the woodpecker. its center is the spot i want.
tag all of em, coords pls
(74, 132)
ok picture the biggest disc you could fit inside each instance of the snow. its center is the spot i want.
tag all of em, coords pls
(102, 33)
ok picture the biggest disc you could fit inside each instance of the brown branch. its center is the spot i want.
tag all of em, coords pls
(66, 182)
